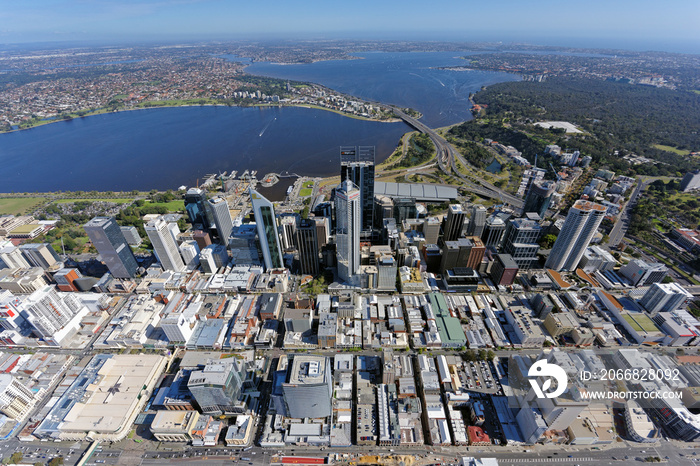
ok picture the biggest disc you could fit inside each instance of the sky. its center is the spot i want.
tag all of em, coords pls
(628, 24)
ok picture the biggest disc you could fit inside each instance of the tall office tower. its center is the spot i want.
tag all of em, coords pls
(453, 223)
(213, 257)
(323, 231)
(39, 254)
(218, 386)
(189, 250)
(48, 311)
(431, 230)
(476, 254)
(307, 244)
(494, 230)
(11, 257)
(222, 218)
(288, 226)
(521, 242)
(110, 243)
(266, 223)
(539, 197)
(478, 221)
(198, 210)
(348, 217)
(309, 387)
(357, 165)
(202, 238)
(132, 235)
(580, 225)
(404, 208)
(164, 245)
(15, 398)
(664, 297)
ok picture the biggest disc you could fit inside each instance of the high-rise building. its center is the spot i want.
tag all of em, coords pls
(504, 269)
(222, 218)
(218, 386)
(202, 238)
(131, 234)
(580, 225)
(213, 257)
(189, 250)
(453, 223)
(431, 230)
(266, 222)
(494, 230)
(348, 213)
(39, 254)
(323, 231)
(309, 387)
(404, 208)
(664, 297)
(110, 243)
(307, 245)
(198, 211)
(288, 226)
(164, 245)
(48, 311)
(539, 197)
(15, 399)
(357, 166)
(520, 241)
(11, 256)
(641, 273)
(386, 273)
(476, 253)
(477, 222)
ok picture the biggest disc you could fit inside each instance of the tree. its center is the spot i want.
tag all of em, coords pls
(547, 241)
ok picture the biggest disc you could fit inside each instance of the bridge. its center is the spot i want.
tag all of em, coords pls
(447, 158)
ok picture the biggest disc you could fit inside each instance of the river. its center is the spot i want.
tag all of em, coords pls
(168, 147)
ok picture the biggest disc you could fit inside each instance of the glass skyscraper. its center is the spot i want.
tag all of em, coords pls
(108, 239)
(264, 213)
(357, 165)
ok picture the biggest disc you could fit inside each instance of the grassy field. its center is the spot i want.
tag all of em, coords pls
(19, 205)
(172, 206)
(115, 201)
(305, 192)
(309, 184)
(671, 149)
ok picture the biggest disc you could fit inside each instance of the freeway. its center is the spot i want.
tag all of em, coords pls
(448, 156)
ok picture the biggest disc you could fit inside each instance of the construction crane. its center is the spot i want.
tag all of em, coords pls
(555, 172)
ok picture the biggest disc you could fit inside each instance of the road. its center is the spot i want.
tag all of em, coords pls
(620, 228)
(448, 156)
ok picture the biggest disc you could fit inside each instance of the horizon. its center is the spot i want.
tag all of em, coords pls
(624, 25)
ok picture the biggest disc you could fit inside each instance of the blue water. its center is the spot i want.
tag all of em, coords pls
(495, 167)
(406, 79)
(168, 147)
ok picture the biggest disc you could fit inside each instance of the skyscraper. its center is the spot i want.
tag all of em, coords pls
(348, 224)
(110, 243)
(164, 245)
(539, 197)
(477, 221)
(222, 218)
(453, 223)
(494, 230)
(521, 242)
(580, 225)
(198, 210)
(264, 213)
(309, 387)
(357, 165)
(665, 297)
(307, 244)
(39, 254)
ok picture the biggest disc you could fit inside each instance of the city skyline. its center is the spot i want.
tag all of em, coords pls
(623, 25)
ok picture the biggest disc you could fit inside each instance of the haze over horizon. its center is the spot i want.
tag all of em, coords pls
(624, 24)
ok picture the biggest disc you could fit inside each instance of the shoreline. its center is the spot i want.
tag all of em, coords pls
(103, 112)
